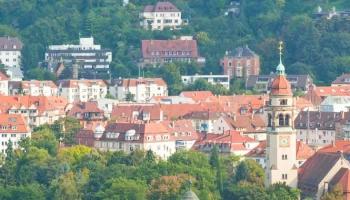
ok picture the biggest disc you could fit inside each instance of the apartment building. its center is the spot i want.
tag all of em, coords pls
(82, 90)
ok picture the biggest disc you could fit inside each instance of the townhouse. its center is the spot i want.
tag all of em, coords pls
(12, 128)
(139, 89)
(33, 88)
(82, 90)
(161, 15)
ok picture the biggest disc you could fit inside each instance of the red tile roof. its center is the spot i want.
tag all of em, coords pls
(338, 146)
(235, 103)
(181, 129)
(169, 48)
(75, 83)
(11, 123)
(161, 7)
(126, 112)
(41, 103)
(281, 86)
(27, 84)
(332, 91)
(3, 76)
(251, 123)
(303, 151)
(342, 178)
(197, 95)
(137, 81)
(85, 107)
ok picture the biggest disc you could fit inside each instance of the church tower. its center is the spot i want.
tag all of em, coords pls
(281, 136)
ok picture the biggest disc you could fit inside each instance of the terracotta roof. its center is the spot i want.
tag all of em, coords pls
(181, 129)
(41, 103)
(3, 76)
(169, 48)
(252, 123)
(302, 103)
(303, 151)
(332, 91)
(338, 146)
(137, 81)
(10, 123)
(197, 95)
(235, 103)
(204, 115)
(281, 86)
(10, 44)
(161, 7)
(83, 108)
(147, 132)
(127, 112)
(342, 177)
(28, 84)
(314, 169)
(76, 83)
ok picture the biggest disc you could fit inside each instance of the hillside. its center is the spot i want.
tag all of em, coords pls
(320, 48)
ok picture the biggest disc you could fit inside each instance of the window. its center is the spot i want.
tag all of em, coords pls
(280, 120)
(284, 176)
(283, 102)
(286, 120)
(269, 124)
(284, 157)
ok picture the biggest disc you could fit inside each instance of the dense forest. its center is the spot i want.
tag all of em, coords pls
(42, 170)
(318, 47)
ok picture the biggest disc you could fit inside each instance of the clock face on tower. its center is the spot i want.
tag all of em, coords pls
(284, 141)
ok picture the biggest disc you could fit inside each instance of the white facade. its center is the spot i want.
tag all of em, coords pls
(160, 20)
(4, 87)
(316, 137)
(39, 88)
(223, 80)
(142, 89)
(83, 90)
(11, 58)
(106, 105)
(335, 104)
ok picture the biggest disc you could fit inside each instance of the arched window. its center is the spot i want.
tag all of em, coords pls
(269, 121)
(286, 120)
(280, 120)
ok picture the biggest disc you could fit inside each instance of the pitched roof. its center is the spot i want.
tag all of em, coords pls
(133, 82)
(161, 7)
(12, 123)
(181, 129)
(169, 48)
(3, 76)
(76, 83)
(337, 146)
(296, 81)
(247, 123)
(84, 107)
(197, 95)
(303, 151)
(127, 112)
(342, 79)
(243, 51)
(313, 171)
(332, 91)
(316, 119)
(281, 86)
(28, 84)
(234, 104)
(10, 44)
(342, 177)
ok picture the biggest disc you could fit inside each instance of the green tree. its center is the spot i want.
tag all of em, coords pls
(123, 189)
(335, 194)
(65, 187)
(44, 138)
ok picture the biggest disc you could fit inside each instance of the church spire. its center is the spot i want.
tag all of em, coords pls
(280, 70)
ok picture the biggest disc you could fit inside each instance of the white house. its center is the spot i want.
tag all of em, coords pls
(335, 104)
(160, 16)
(82, 90)
(129, 137)
(33, 88)
(14, 129)
(223, 80)
(4, 82)
(139, 90)
(10, 51)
